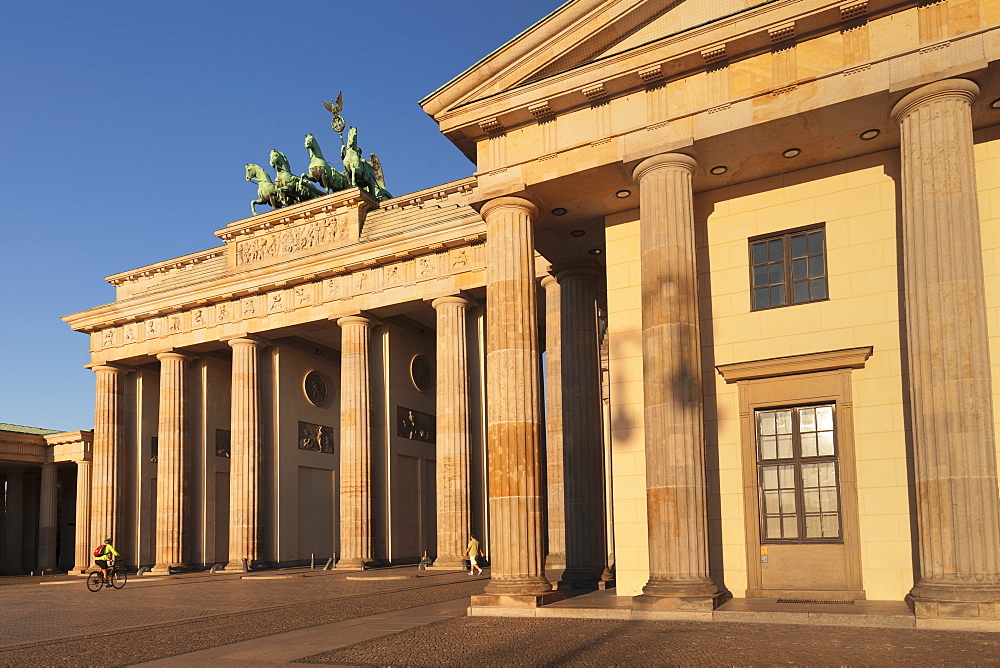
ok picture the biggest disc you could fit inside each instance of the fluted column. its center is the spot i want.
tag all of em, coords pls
(13, 529)
(244, 461)
(513, 406)
(109, 449)
(174, 443)
(958, 508)
(672, 390)
(83, 549)
(355, 448)
(555, 557)
(47, 527)
(582, 440)
(453, 436)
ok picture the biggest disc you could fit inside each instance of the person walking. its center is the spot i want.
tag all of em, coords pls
(473, 551)
(102, 555)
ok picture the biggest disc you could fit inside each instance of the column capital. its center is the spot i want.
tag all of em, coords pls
(108, 367)
(549, 279)
(245, 340)
(675, 161)
(174, 355)
(356, 319)
(456, 300)
(565, 270)
(958, 89)
(510, 203)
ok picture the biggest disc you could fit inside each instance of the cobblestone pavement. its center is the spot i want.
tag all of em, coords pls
(68, 625)
(495, 641)
(64, 624)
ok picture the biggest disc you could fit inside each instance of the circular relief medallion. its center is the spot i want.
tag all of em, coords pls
(315, 388)
(420, 373)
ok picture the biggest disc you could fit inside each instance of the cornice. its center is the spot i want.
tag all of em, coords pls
(165, 266)
(433, 238)
(712, 45)
(848, 358)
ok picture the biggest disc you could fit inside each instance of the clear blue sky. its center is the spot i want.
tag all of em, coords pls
(124, 129)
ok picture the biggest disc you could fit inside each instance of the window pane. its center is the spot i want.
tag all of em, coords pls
(816, 266)
(759, 252)
(811, 498)
(768, 447)
(775, 251)
(810, 477)
(766, 423)
(787, 502)
(831, 526)
(808, 445)
(760, 298)
(827, 474)
(786, 477)
(785, 447)
(828, 499)
(825, 443)
(773, 527)
(798, 245)
(800, 292)
(777, 295)
(760, 275)
(770, 477)
(817, 288)
(776, 272)
(814, 528)
(816, 242)
(800, 269)
(783, 422)
(790, 528)
(824, 417)
(772, 505)
(807, 419)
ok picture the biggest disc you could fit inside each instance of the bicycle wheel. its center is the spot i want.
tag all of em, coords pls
(118, 579)
(95, 582)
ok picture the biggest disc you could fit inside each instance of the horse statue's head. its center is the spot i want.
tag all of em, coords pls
(352, 137)
(251, 171)
(279, 161)
(311, 142)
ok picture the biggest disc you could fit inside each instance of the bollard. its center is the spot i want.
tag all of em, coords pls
(329, 564)
(312, 560)
(246, 566)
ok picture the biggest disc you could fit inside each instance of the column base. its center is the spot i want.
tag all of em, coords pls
(353, 564)
(702, 603)
(579, 578)
(955, 601)
(515, 600)
(167, 569)
(447, 564)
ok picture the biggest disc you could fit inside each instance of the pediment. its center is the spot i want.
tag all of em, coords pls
(578, 33)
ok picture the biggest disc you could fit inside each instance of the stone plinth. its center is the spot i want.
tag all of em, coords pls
(947, 345)
(672, 388)
(244, 462)
(355, 450)
(453, 438)
(513, 401)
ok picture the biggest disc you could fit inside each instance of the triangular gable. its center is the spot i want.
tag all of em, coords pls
(578, 32)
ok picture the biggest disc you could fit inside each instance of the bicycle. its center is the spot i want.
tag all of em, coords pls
(117, 574)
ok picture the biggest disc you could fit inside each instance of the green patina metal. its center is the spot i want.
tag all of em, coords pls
(291, 188)
(361, 173)
(267, 192)
(321, 172)
(287, 189)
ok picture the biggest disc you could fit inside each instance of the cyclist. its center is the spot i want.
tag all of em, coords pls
(106, 552)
